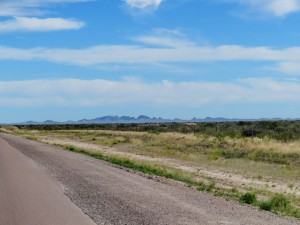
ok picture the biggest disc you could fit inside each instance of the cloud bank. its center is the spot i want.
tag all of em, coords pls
(136, 54)
(75, 92)
(22, 11)
(39, 25)
(30, 7)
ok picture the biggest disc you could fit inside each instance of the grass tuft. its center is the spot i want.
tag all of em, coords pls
(248, 198)
(277, 203)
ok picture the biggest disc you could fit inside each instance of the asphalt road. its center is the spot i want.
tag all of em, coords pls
(28, 196)
(44, 185)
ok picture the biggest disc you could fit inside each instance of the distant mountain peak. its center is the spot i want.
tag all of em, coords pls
(143, 117)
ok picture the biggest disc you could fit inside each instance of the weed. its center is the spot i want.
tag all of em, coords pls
(214, 155)
(32, 138)
(206, 187)
(248, 198)
(280, 203)
(234, 190)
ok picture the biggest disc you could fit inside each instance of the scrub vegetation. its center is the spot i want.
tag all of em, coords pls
(256, 163)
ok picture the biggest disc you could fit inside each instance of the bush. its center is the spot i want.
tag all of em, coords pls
(248, 198)
(250, 133)
(277, 203)
(266, 205)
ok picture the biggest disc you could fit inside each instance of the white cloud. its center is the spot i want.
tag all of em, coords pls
(161, 46)
(289, 68)
(281, 8)
(165, 38)
(134, 54)
(163, 41)
(274, 7)
(75, 92)
(142, 4)
(36, 24)
(29, 7)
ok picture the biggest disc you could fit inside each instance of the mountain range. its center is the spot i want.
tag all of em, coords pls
(145, 119)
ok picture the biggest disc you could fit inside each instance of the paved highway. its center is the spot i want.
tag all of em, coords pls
(28, 196)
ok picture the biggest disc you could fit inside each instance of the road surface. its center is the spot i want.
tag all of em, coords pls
(44, 185)
(28, 196)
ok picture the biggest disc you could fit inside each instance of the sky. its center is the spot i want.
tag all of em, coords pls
(74, 59)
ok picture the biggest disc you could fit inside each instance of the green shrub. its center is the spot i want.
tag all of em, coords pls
(215, 155)
(248, 198)
(206, 187)
(277, 203)
(266, 205)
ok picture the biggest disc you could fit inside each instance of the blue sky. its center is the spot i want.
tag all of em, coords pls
(74, 59)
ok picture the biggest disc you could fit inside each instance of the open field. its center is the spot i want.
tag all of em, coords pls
(255, 163)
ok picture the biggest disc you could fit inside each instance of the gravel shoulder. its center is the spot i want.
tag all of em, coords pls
(112, 195)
